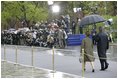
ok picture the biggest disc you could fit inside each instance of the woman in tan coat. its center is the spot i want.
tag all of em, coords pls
(88, 50)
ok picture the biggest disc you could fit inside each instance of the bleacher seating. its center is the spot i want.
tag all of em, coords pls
(75, 39)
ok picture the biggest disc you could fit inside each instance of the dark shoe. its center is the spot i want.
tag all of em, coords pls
(106, 66)
(102, 69)
(93, 70)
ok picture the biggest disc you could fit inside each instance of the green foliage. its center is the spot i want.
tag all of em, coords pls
(38, 10)
(36, 14)
(22, 10)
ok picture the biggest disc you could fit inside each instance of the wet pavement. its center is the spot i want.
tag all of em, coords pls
(11, 70)
(66, 61)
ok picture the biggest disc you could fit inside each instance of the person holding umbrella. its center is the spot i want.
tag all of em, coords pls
(102, 46)
(87, 45)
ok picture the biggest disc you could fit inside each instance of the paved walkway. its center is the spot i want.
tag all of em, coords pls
(66, 61)
(11, 70)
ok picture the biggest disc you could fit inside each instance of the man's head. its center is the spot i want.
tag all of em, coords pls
(101, 29)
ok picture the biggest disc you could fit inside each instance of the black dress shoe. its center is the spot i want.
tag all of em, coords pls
(93, 70)
(102, 69)
(106, 66)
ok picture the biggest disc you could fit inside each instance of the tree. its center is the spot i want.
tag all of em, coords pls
(27, 11)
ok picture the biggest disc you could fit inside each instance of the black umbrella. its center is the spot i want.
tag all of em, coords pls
(91, 19)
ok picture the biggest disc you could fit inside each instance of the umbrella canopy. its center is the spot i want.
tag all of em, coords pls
(11, 30)
(91, 19)
(25, 29)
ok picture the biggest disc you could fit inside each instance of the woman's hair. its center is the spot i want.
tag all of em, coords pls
(87, 33)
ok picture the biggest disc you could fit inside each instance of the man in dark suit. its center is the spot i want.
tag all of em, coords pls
(102, 46)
